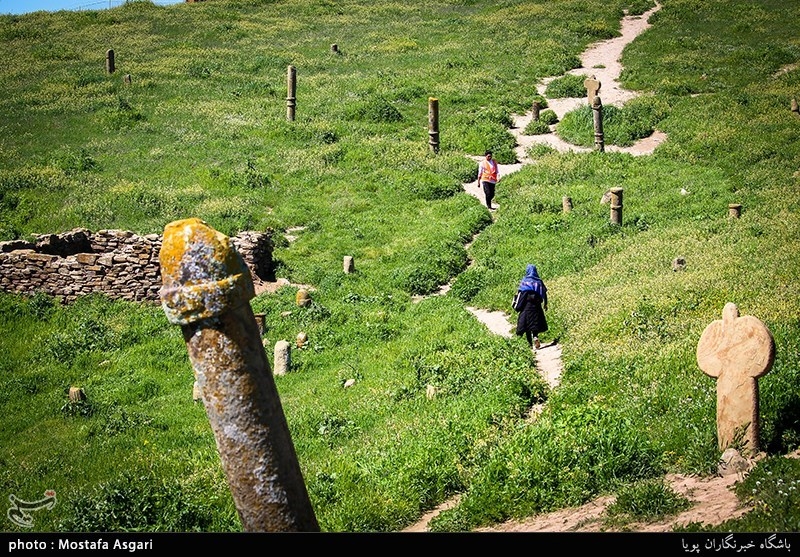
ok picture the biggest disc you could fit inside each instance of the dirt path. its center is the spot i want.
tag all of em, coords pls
(713, 500)
(601, 60)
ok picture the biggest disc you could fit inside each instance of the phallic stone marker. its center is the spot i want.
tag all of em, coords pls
(110, 61)
(795, 108)
(206, 288)
(734, 210)
(433, 124)
(348, 264)
(597, 117)
(127, 79)
(291, 92)
(76, 394)
(283, 357)
(335, 48)
(302, 299)
(736, 351)
(616, 205)
(566, 204)
(302, 339)
(536, 111)
(592, 88)
(261, 322)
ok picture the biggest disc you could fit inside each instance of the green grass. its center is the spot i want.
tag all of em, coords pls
(201, 131)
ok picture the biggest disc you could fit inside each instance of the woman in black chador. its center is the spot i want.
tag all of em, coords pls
(533, 303)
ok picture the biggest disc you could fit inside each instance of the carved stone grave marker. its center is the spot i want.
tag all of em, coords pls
(592, 88)
(736, 351)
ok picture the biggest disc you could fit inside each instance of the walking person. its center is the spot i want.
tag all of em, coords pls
(532, 304)
(487, 177)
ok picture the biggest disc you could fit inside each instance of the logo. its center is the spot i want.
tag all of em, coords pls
(20, 510)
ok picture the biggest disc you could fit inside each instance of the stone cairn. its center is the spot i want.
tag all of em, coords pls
(118, 263)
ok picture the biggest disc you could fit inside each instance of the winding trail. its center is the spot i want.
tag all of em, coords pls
(601, 61)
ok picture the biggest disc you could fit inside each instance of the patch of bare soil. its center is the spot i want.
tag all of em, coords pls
(713, 502)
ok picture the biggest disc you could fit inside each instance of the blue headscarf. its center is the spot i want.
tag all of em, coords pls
(531, 281)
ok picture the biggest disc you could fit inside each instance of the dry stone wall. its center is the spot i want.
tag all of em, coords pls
(118, 263)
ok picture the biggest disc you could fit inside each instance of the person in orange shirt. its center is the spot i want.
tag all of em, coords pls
(487, 177)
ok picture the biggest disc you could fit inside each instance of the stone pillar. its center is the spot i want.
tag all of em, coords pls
(736, 351)
(110, 61)
(282, 357)
(206, 290)
(76, 394)
(260, 322)
(348, 264)
(301, 339)
(433, 124)
(597, 113)
(302, 299)
(566, 204)
(794, 106)
(127, 79)
(291, 92)
(536, 110)
(335, 48)
(592, 88)
(616, 205)
(734, 210)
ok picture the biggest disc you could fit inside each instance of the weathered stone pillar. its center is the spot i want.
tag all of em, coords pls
(335, 48)
(795, 108)
(127, 79)
(734, 210)
(616, 205)
(597, 113)
(433, 124)
(110, 61)
(76, 394)
(592, 88)
(736, 351)
(291, 92)
(348, 264)
(206, 290)
(260, 322)
(302, 299)
(282, 357)
(536, 110)
(566, 204)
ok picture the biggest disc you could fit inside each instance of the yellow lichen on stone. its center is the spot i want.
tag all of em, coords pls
(202, 273)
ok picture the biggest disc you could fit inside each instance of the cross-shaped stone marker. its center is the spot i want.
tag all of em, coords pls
(736, 351)
(592, 87)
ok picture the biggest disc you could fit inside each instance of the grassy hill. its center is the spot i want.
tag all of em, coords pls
(201, 131)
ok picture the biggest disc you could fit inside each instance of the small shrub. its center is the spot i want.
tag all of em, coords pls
(549, 117)
(377, 110)
(74, 161)
(567, 86)
(467, 285)
(537, 127)
(646, 500)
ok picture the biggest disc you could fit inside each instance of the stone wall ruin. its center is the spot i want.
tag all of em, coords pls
(118, 263)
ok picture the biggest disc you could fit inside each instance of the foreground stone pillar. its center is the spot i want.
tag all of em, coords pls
(736, 351)
(206, 290)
